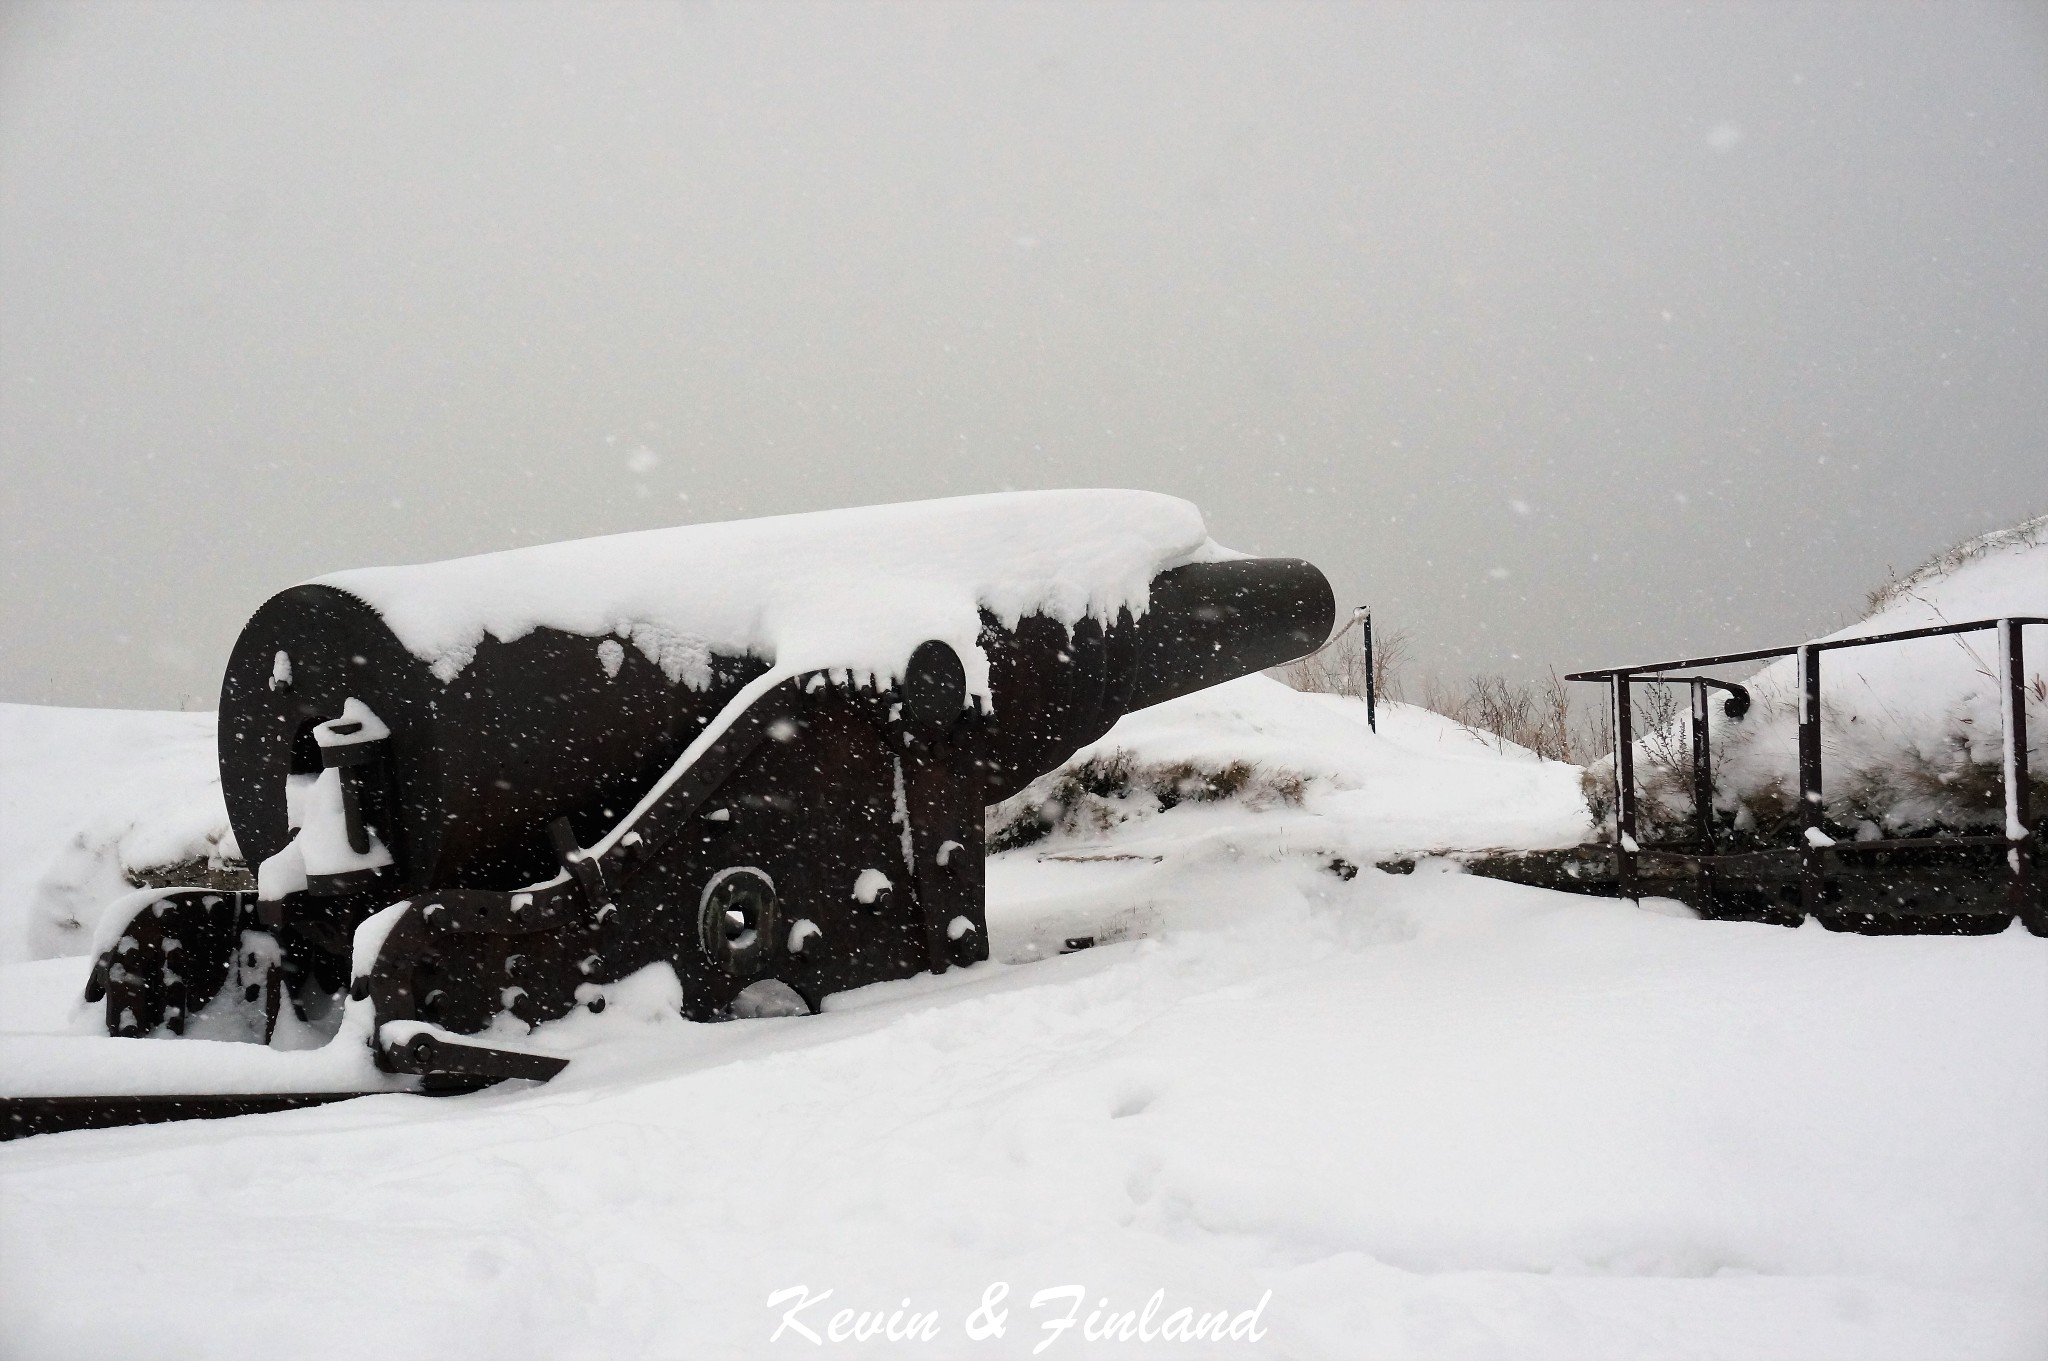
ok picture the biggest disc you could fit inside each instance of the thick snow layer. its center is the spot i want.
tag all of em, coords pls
(854, 590)
(1911, 731)
(89, 798)
(1435, 1116)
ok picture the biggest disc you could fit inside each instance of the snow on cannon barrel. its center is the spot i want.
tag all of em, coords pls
(757, 752)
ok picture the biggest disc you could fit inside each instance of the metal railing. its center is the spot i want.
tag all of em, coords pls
(1361, 616)
(2018, 840)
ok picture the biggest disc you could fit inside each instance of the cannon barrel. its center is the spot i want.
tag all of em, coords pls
(556, 724)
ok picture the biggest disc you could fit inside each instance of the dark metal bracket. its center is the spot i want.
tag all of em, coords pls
(22, 1116)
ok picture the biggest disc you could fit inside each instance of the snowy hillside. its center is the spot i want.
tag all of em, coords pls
(1417, 1115)
(1911, 731)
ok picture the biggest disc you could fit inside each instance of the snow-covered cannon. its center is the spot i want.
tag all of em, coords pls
(758, 752)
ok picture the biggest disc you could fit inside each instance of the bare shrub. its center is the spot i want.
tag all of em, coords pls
(1666, 737)
(1390, 655)
(1543, 716)
(1339, 667)
(1596, 782)
(1878, 781)
(1538, 715)
(1592, 736)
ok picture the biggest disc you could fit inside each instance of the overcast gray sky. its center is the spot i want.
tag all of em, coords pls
(1563, 334)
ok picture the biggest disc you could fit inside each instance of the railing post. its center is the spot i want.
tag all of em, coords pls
(2019, 823)
(1625, 846)
(1371, 718)
(1812, 862)
(1702, 771)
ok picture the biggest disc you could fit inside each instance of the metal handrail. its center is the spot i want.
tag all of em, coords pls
(2019, 838)
(1825, 645)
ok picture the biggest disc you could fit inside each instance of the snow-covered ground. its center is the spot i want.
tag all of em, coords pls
(1418, 1115)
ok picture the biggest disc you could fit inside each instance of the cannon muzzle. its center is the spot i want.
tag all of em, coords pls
(1211, 622)
(1058, 689)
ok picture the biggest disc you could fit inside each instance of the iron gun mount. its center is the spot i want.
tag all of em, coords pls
(446, 839)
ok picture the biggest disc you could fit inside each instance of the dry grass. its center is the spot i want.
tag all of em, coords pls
(1097, 794)
(1339, 668)
(1539, 715)
(2027, 534)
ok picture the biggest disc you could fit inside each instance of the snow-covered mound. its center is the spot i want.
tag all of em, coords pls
(1911, 732)
(850, 589)
(1098, 848)
(1420, 783)
(91, 800)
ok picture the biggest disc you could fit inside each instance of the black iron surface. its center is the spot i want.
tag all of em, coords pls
(22, 1116)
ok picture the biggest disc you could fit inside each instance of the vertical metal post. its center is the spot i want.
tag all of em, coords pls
(1371, 718)
(1812, 842)
(2019, 823)
(1702, 772)
(1625, 846)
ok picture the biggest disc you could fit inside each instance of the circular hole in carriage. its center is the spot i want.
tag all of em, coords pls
(736, 919)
